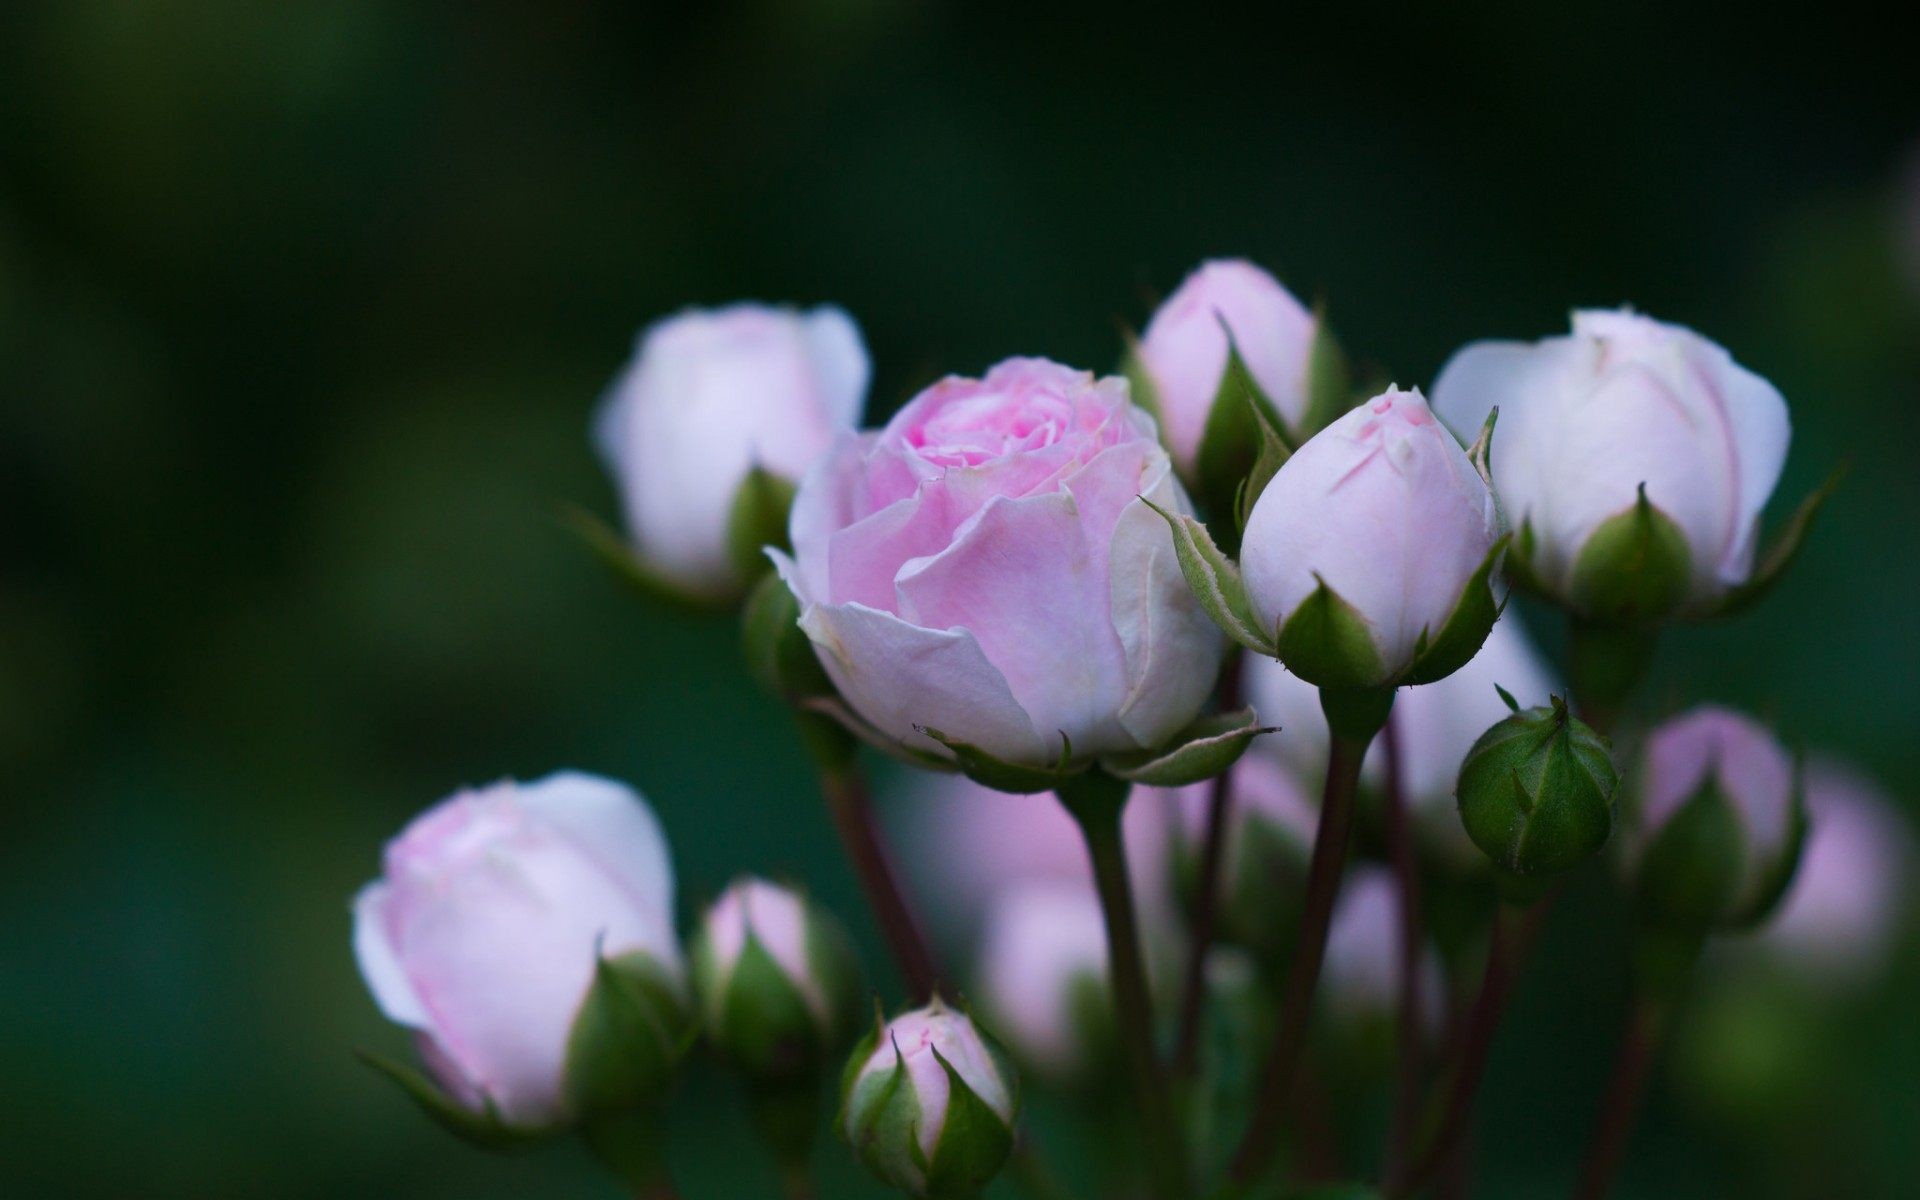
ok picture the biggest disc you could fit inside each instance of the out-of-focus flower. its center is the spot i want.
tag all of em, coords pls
(1848, 900)
(1626, 408)
(497, 914)
(1719, 821)
(709, 396)
(1269, 840)
(1361, 978)
(776, 978)
(1184, 350)
(1042, 977)
(983, 567)
(928, 1105)
(1365, 544)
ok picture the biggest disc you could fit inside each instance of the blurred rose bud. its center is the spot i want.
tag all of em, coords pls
(709, 396)
(983, 567)
(1633, 459)
(1183, 357)
(1844, 911)
(1361, 978)
(525, 933)
(1719, 822)
(776, 978)
(1042, 976)
(1536, 791)
(928, 1105)
(1369, 550)
(1271, 823)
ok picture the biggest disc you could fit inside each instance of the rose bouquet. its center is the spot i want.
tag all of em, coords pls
(1241, 749)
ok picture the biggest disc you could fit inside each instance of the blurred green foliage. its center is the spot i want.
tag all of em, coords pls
(304, 305)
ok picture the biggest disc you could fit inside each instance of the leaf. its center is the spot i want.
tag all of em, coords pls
(1273, 455)
(485, 1129)
(988, 771)
(614, 554)
(1203, 750)
(1326, 642)
(1786, 547)
(1466, 627)
(1214, 580)
(1636, 567)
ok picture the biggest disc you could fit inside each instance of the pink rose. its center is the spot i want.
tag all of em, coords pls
(983, 566)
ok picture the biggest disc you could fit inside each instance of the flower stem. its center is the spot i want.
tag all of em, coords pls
(1622, 1105)
(1262, 1138)
(845, 790)
(1411, 1024)
(1513, 936)
(1206, 902)
(628, 1146)
(1096, 801)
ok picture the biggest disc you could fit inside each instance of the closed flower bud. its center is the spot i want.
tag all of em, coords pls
(1843, 913)
(1042, 977)
(1536, 791)
(1719, 823)
(776, 980)
(928, 1105)
(524, 932)
(1633, 459)
(1184, 351)
(1368, 552)
(983, 568)
(711, 424)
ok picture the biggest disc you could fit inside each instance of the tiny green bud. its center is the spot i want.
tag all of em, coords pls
(1536, 791)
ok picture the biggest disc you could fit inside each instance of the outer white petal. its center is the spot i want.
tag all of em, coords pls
(1761, 432)
(841, 366)
(380, 966)
(1172, 647)
(612, 826)
(898, 675)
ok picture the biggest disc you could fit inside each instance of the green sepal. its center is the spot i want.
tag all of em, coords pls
(778, 654)
(832, 708)
(974, 1140)
(1778, 876)
(1518, 568)
(1635, 567)
(485, 1129)
(1273, 455)
(1780, 555)
(1466, 627)
(1329, 382)
(1326, 642)
(758, 1018)
(1480, 453)
(1214, 580)
(1200, 751)
(1230, 441)
(618, 557)
(1356, 714)
(758, 519)
(1690, 872)
(629, 1036)
(1002, 776)
(880, 1116)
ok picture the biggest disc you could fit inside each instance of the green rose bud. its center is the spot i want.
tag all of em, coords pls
(1536, 791)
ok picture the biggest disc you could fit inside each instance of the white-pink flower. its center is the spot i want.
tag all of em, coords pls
(483, 932)
(984, 566)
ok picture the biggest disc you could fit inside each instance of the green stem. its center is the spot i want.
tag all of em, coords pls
(1096, 801)
(1622, 1105)
(1411, 1027)
(1206, 903)
(1605, 664)
(628, 1146)
(1262, 1139)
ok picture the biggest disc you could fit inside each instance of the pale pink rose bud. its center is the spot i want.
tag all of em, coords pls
(1042, 977)
(486, 931)
(709, 395)
(1184, 349)
(1370, 534)
(903, 1084)
(984, 567)
(1361, 978)
(1719, 820)
(776, 979)
(1589, 420)
(1847, 904)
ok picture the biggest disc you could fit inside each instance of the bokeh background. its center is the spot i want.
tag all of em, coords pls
(304, 307)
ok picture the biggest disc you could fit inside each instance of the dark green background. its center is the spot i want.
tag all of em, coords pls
(303, 308)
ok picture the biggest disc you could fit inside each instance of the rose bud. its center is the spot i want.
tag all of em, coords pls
(1633, 459)
(1366, 557)
(776, 979)
(1536, 791)
(524, 932)
(928, 1105)
(708, 427)
(983, 568)
(1269, 839)
(1843, 913)
(1182, 361)
(1720, 819)
(1043, 978)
